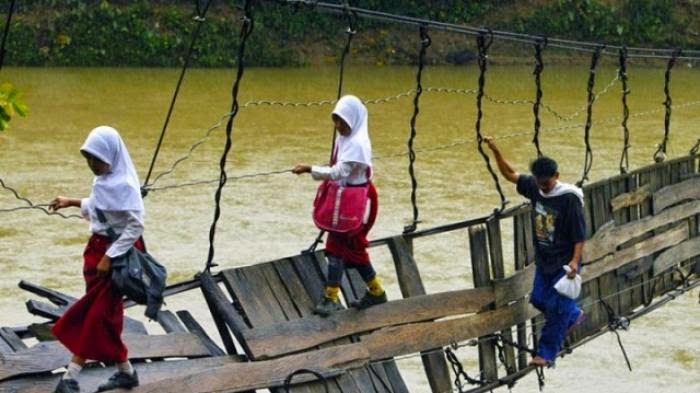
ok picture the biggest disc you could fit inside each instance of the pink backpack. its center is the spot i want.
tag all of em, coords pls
(340, 209)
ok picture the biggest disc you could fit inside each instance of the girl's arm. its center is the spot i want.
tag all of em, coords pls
(338, 171)
(60, 202)
(132, 231)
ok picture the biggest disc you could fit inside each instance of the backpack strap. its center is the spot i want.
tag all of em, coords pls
(110, 232)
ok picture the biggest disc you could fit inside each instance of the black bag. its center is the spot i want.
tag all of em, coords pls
(137, 275)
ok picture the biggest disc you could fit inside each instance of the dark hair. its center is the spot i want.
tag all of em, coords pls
(543, 167)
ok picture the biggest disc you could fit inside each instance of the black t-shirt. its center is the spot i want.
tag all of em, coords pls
(558, 224)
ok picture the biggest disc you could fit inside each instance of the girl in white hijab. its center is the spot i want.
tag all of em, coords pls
(351, 165)
(91, 328)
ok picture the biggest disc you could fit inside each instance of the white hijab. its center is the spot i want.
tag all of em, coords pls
(564, 188)
(118, 189)
(355, 147)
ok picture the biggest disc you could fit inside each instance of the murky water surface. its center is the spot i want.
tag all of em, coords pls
(266, 217)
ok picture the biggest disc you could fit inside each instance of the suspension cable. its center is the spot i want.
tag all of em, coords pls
(539, 66)
(622, 73)
(32, 205)
(695, 148)
(424, 44)
(246, 30)
(660, 154)
(588, 160)
(6, 32)
(350, 33)
(199, 18)
(581, 46)
(483, 45)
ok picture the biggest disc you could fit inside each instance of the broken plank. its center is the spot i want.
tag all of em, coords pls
(195, 328)
(56, 297)
(674, 255)
(606, 240)
(169, 322)
(631, 198)
(670, 195)
(298, 334)
(52, 312)
(637, 251)
(50, 355)
(12, 340)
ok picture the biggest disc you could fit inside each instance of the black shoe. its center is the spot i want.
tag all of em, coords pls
(369, 300)
(326, 307)
(69, 385)
(120, 380)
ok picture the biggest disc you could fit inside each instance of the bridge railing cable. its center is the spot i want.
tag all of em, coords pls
(588, 159)
(660, 154)
(622, 73)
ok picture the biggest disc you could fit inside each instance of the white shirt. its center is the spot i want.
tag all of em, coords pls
(344, 172)
(128, 224)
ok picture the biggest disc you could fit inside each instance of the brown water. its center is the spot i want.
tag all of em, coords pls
(267, 217)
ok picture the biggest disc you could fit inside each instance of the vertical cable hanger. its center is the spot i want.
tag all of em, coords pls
(622, 72)
(539, 66)
(424, 44)
(6, 32)
(199, 17)
(588, 159)
(350, 33)
(660, 154)
(246, 30)
(483, 45)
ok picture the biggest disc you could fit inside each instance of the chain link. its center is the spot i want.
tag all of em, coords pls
(622, 72)
(660, 154)
(588, 159)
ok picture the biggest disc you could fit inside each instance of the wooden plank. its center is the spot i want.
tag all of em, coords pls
(493, 229)
(298, 334)
(10, 340)
(220, 324)
(310, 275)
(90, 378)
(480, 271)
(253, 294)
(223, 308)
(51, 312)
(195, 328)
(514, 286)
(295, 287)
(55, 297)
(637, 251)
(169, 322)
(50, 355)
(262, 374)
(519, 222)
(674, 255)
(411, 284)
(670, 195)
(606, 240)
(631, 198)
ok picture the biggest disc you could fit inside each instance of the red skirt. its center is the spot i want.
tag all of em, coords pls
(353, 248)
(91, 328)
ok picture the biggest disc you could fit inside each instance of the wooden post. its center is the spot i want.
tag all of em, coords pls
(411, 284)
(480, 269)
(493, 226)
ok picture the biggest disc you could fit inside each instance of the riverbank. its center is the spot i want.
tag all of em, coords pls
(157, 33)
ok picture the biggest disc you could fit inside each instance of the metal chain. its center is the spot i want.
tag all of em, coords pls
(660, 154)
(695, 148)
(483, 45)
(539, 66)
(246, 30)
(622, 73)
(616, 322)
(199, 18)
(6, 32)
(588, 160)
(31, 205)
(461, 376)
(424, 44)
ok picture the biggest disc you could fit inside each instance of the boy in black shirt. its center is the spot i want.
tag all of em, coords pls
(560, 230)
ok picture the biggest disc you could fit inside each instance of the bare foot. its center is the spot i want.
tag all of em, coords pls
(538, 361)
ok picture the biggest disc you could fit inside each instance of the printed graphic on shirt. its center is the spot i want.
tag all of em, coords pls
(544, 224)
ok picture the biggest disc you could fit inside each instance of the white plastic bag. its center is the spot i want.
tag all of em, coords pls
(569, 287)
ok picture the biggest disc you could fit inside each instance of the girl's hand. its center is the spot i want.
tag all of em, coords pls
(490, 143)
(104, 266)
(301, 168)
(59, 203)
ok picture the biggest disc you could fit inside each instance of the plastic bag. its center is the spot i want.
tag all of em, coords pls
(569, 287)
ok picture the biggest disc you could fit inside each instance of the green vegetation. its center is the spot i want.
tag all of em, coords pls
(10, 104)
(157, 33)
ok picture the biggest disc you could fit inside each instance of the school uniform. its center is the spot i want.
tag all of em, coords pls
(558, 224)
(91, 328)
